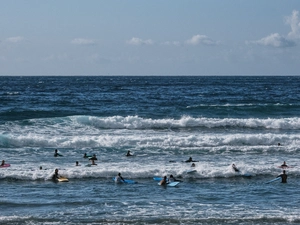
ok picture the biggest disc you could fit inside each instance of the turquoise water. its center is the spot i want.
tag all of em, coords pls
(163, 121)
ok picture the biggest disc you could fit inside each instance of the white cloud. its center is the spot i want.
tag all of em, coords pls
(201, 39)
(293, 21)
(14, 39)
(275, 40)
(83, 41)
(175, 43)
(281, 41)
(138, 41)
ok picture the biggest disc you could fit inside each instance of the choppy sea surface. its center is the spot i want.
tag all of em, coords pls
(251, 121)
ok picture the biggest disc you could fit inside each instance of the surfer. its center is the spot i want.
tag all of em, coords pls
(55, 175)
(193, 165)
(56, 153)
(93, 157)
(173, 179)
(85, 155)
(235, 168)
(163, 181)
(128, 153)
(93, 162)
(283, 177)
(283, 166)
(3, 163)
(119, 178)
(77, 163)
(190, 160)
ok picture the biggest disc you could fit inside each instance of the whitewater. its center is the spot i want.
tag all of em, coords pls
(252, 122)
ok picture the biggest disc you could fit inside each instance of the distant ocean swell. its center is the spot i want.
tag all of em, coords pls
(136, 122)
(118, 131)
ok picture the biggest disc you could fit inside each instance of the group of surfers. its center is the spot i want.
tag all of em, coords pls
(283, 176)
(118, 178)
(165, 180)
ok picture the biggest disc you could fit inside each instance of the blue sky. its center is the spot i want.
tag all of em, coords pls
(139, 37)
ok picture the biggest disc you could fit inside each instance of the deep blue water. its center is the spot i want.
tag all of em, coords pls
(216, 120)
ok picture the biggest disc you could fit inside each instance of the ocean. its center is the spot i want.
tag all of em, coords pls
(250, 121)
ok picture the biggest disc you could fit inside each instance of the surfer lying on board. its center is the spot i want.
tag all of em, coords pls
(191, 160)
(235, 168)
(283, 177)
(119, 178)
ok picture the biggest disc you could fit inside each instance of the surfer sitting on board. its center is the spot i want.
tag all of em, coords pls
(119, 178)
(3, 163)
(128, 153)
(163, 181)
(235, 168)
(283, 177)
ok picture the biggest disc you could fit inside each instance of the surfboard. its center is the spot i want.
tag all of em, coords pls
(246, 175)
(191, 171)
(157, 178)
(63, 179)
(270, 181)
(5, 165)
(171, 184)
(284, 167)
(89, 165)
(125, 181)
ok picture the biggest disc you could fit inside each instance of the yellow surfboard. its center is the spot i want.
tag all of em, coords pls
(63, 179)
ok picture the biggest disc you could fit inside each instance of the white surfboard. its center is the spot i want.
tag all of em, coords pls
(171, 184)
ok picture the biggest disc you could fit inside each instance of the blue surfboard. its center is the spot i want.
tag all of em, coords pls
(270, 181)
(125, 181)
(157, 178)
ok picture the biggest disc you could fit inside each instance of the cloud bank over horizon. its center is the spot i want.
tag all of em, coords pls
(230, 41)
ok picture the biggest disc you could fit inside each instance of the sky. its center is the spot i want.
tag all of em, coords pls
(150, 37)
